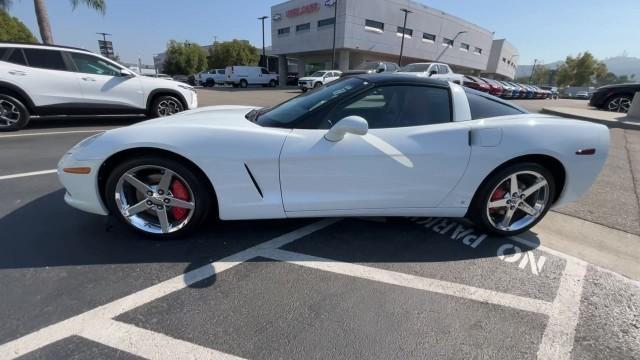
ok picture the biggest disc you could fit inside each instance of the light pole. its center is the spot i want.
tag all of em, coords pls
(533, 70)
(335, 21)
(264, 53)
(452, 42)
(404, 31)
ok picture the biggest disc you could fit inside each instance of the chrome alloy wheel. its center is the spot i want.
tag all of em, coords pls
(517, 201)
(9, 113)
(621, 104)
(169, 107)
(154, 199)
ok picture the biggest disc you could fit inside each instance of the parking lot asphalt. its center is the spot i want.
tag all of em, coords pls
(76, 285)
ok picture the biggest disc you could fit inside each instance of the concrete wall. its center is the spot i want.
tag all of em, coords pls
(502, 52)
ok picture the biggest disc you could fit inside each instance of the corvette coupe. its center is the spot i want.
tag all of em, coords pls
(366, 145)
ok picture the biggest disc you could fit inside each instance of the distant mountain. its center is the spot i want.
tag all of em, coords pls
(619, 65)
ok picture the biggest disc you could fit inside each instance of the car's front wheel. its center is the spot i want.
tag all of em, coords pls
(619, 104)
(514, 199)
(165, 106)
(157, 196)
(13, 114)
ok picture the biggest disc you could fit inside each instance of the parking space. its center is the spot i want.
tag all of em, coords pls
(75, 285)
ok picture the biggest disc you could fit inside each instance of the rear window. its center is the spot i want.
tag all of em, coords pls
(483, 107)
(46, 59)
(17, 57)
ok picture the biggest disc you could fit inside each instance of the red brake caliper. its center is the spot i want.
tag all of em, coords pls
(179, 192)
(497, 195)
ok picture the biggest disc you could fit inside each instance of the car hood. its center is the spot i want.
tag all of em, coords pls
(222, 115)
(617, 86)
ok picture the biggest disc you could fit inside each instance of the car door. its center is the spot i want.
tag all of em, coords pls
(44, 75)
(264, 76)
(412, 156)
(331, 76)
(104, 88)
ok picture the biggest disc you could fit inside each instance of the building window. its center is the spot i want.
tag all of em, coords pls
(464, 47)
(284, 31)
(375, 26)
(504, 60)
(326, 22)
(407, 32)
(447, 42)
(303, 27)
(477, 51)
(428, 38)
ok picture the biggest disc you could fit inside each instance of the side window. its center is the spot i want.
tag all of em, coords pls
(442, 69)
(264, 71)
(17, 57)
(45, 59)
(93, 65)
(3, 51)
(396, 106)
(482, 107)
(220, 72)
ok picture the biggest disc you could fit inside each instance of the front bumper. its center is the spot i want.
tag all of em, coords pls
(82, 189)
(305, 85)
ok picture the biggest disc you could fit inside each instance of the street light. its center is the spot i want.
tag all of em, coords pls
(264, 53)
(452, 42)
(533, 70)
(404, 31)
(335, 21)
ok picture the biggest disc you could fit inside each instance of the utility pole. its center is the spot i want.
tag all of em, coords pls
(335, 21)
(264, 52)
(533, 70)
(404, 31)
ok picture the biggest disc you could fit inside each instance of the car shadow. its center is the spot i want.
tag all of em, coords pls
(82, 122)
(46, 233)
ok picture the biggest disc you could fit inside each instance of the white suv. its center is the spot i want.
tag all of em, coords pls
(318, 79)
(39, 80)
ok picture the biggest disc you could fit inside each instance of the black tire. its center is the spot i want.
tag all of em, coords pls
(317, 85)
(272, 83)
(13, 114)
(615, 103)
(477, 211)
(304, 90)
(203, 199)
(244, 83)
(158, 109)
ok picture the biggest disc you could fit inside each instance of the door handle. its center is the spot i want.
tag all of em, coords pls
(88, 79)
(17, 72)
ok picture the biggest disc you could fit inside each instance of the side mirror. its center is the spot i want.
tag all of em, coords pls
(351, 124)
(432, 72)
(126, 73)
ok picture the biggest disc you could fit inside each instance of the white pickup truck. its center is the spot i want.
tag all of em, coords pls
(211, 77)
(434, 70)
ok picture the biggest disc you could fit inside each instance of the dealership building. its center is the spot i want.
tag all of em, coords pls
(302, 35)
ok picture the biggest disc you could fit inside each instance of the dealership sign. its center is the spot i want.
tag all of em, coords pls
(305, 9)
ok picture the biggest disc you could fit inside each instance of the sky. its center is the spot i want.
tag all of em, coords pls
(547, 30)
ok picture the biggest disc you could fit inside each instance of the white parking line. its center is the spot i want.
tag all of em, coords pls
(33, 173)
(52, 133)
(149, 344)
(95, 317)
(411, 281)
(557, 341)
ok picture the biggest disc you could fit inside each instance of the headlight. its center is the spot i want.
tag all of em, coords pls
(85, 142)
(186, 87)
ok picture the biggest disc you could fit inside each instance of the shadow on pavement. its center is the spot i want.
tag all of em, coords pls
(75, 122)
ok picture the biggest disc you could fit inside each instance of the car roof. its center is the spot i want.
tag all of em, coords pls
(399, 78)
(44, 46)
(494, 98)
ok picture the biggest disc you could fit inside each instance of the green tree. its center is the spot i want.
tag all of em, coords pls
(581, 70)
(12, 29)
(184, 58)
(43, 16)
(235, 52)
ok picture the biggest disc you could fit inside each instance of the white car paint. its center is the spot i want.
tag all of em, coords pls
(76, 89)
(318, 78)
(430, 170)
(216, 75)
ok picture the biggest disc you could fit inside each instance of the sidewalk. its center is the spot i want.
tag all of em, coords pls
(608, 118)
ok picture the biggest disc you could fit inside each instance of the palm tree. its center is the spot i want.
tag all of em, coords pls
(43, 16)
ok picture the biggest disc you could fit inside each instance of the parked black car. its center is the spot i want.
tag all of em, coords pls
(614, 97)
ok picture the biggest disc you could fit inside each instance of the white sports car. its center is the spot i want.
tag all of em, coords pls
(368, 145)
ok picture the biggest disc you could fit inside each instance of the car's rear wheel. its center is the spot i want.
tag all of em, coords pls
(13, 114)
(165, 106)
(514, 199)
(157, 196)
(619, 104)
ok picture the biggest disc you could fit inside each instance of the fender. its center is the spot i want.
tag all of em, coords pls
(14, 88)
(166, 91)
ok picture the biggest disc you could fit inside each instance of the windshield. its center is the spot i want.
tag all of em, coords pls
(369, 66)
(286, 113)
(318, 74)
(415, 68)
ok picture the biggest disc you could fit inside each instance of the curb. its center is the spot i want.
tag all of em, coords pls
(607, 123)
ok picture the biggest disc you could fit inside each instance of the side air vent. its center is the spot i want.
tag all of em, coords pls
(255, 183)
